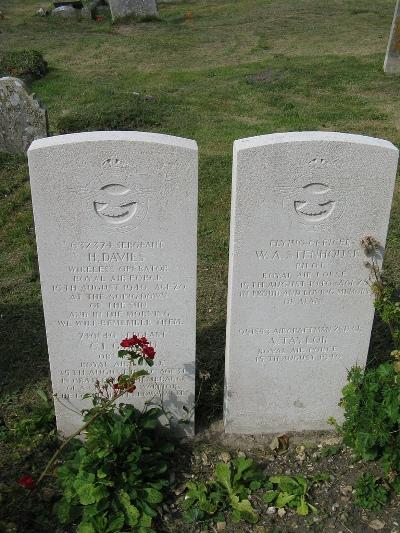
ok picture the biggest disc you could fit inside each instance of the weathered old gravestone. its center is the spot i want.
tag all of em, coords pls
(392, 59)
(139, 9)
(22, 119)
(300, 310)
(115, 216)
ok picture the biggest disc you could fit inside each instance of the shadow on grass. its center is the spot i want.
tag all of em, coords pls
(381, 344)
(210, 361)
(24, 359)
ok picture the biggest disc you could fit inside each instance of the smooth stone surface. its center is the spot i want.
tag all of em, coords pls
(133, 8)
(22, 119)
(300, 310)
(66, 12)
(115, 216)
(392, 59)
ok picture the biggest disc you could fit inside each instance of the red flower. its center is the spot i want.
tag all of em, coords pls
(26, 482)
(149, 352)
(143, 341)
(99, 18)
(128, 343)
(116, 386)
(132, 388)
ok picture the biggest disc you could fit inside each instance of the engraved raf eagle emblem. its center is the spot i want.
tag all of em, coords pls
(115, 204)
(316, 203)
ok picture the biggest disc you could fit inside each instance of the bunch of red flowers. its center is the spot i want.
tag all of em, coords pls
(139, 342)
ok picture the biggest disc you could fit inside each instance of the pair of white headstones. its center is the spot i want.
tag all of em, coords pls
(116, 226)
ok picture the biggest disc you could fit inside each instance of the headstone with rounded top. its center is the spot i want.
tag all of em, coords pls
(300, 309)
(115, 217)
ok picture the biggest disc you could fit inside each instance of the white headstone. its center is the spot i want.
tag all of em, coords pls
(115, 217)
(300, 310)
(392, 59)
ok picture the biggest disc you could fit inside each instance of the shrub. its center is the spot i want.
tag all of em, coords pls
(371, 399)
(27, 64)
(372, 414)
(370, 493)
(117, 478)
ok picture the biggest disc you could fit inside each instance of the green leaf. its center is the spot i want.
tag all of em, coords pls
(145, 520)
(223, 476)
(193, 515)
(150, 423)
(255, 485)
(270, 496)
(313, 508)
(89, 493)
(301, 480)
(302, 508)
(85, 528)
(101, 474)
(245, 509)
(116, 524)
(62, 509)
(132, 513)
(283, 499)
(153, 496)
(42, 395)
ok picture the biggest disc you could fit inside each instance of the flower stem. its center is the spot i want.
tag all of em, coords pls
(76, 433)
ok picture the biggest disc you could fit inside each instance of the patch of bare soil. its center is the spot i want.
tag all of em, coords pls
(308, 454)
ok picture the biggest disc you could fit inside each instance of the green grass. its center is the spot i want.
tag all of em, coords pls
(237, 68)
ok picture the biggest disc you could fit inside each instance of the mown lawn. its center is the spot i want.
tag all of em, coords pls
(230, 69)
